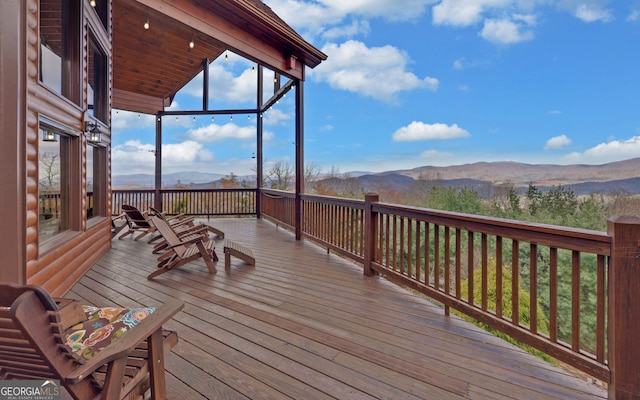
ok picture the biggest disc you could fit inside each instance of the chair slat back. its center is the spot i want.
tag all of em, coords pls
(169, 234)
(135, 216)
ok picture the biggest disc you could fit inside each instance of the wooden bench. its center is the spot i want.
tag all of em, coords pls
(237, 250)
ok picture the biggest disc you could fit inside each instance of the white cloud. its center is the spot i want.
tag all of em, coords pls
(276, 117)
(416, 131)
(557, 142)
(634, 16)
(614, 150)
(216, 133)
(136, 157)
(591, 13)
(314, 17)
(224, 85)
(434, 156)
(377, 72)
(458, 64)
(127, 120)
(468, 12)
(506, 31)
(354, 29)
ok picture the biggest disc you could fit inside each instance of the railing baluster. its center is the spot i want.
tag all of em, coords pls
(499, 291)
(515, 283)
(470, 267)
(485, 271)
(533, 288)
(575, 301)
(600, 310)
(458, 263)
(553, 294)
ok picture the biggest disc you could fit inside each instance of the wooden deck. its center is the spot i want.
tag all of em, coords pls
(304, 324)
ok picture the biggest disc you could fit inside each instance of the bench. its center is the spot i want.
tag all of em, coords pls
(237, 250)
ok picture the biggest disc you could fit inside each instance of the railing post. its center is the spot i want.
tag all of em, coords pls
(370, 229)
(624, 307)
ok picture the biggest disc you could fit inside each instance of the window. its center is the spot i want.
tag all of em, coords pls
(95, 203)
(98, 93)
(54, 185)
(101, 8)
(59, 61)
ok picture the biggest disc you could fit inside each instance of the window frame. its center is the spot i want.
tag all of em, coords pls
(69, 181)
(70, 43)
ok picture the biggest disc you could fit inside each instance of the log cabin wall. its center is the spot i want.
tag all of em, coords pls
(57, 263)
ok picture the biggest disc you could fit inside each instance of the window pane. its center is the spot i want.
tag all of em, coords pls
(60, 47)
(96, 200)
(53, 179)
(98, 79)
(91, 212)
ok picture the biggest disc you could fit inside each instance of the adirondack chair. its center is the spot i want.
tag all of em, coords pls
(180, 251)
(44, 339)
(185, 229)
(139, 221)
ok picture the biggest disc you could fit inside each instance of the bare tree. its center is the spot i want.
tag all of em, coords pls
(49, 171)
(280, 175)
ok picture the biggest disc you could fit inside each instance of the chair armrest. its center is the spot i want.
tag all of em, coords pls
(124, 345)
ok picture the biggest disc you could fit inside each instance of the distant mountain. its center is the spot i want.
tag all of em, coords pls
(523, 174)
(581, 178)
(168, 180)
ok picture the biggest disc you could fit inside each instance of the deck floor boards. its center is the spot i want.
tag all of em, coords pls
(305, 324)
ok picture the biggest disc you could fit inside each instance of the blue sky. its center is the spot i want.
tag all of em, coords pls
(409, 83)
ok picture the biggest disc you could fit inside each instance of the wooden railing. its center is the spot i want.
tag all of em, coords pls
(462, 260)
(278, 206)
(215, 202)
(545, 286)
(335, 223)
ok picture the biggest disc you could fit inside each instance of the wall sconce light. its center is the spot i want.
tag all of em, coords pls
(191, 43)
(93, 132)
(49, 136)
(92, 3)
(146, 23)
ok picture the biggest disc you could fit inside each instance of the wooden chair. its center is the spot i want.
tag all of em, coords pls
(185, 229)
(180, 251)
(35, 332)
(137, 222)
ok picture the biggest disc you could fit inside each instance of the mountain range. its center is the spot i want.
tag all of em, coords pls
(581, 178)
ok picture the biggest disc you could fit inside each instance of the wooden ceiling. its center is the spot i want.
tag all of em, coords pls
(151, 65)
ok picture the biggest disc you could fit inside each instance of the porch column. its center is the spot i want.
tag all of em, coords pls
(157, 199)
(299, 155)
(259, 131)
(370, 230)
(13, 142)
(624, 307)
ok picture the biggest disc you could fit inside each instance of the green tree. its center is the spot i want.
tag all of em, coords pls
(524, 308)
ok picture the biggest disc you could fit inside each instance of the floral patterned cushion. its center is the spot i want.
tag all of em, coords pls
(103, 326)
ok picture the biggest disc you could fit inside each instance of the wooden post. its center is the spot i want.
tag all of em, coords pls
(157, 203)
(299, 156)
(370, 229)
(624, 307)
(13, 144)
